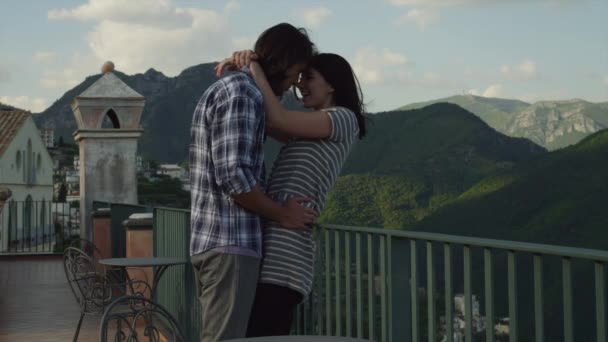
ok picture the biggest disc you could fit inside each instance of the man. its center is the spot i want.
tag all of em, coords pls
(227, 169)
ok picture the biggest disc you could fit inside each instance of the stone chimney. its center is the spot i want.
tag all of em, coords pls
(107, 114)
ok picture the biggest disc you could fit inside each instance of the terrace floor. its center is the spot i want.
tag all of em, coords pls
(36, 303)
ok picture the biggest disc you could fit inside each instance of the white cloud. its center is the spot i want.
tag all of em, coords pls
(311, 17)
(526, 70)
(71, 73)
(115, 10)
(140, 34)
(420, 17)
(606, 81)
(243, 43)
(373, 66)
(426, 12)
(35, 105)
(495, 90)
(44, 57)
(232, 6)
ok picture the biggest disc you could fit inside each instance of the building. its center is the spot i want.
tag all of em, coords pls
(172, 170)
(48, 137)
(26, 169)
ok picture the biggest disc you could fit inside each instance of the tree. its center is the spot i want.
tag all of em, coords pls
(61, 142)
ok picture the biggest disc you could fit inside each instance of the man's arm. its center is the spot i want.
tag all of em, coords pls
(234, 149)
(289, 215)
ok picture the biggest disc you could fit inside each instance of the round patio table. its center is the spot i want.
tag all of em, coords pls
(298, 338)
(160, 264)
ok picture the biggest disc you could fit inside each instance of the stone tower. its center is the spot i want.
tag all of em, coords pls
(107, 114)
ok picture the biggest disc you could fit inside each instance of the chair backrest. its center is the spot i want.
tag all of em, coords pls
(137, 318)
(84, 280)
(88, 247)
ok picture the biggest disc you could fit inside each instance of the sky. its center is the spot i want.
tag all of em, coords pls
(402, 51)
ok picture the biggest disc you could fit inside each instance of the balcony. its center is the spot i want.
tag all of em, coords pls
(382, 285)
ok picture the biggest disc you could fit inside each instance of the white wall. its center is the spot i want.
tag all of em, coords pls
(26, 168)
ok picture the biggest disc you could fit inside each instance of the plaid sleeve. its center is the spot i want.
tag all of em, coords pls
(233, 144)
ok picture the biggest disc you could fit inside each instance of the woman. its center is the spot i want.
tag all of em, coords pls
(317, 144)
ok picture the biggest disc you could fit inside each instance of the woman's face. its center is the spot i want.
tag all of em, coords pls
(316, 92)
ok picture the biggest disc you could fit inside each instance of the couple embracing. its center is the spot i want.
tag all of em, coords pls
(252, 245)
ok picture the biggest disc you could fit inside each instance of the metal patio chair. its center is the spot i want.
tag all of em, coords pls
(92, 288)
(138, 319)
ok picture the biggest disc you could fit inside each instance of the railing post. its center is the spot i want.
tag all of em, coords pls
(359, 285)
(600, 302)
(489, 293)
(371, 293)
(414, 289)
(449, 320)
(399, 290)
(468, 294)
(430, 291)
(538, 298)
(567, 292)
(512, 279)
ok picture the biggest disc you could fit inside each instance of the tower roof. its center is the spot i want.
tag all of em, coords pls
(110, 86)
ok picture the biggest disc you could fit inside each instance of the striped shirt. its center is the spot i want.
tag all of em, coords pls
(226, 159)
(304, 168)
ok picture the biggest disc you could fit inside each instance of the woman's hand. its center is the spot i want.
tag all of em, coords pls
(238, 60)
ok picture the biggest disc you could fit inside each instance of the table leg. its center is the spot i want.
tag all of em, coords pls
(158, 273)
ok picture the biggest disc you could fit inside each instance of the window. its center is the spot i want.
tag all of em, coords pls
(110, 120)
(18, 160)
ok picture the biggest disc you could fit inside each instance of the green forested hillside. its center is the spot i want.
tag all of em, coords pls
(559, 198)
(414, 162)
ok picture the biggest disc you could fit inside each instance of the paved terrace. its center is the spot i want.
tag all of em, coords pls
(36, 303)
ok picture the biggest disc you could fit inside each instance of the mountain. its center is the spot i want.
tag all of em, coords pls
(414, 162)
(167, 114)
(494, 111)
(556, 124)
(5, 107)
(557, 198)
(552, 124)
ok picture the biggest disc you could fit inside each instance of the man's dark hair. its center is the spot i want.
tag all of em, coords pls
(281, 47)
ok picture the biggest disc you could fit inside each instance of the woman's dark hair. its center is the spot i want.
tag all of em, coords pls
(347, 92)
(281, 47)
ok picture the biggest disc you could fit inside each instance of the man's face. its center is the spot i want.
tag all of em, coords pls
(292, 75)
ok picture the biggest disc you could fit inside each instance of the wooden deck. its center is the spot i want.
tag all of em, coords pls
(36, 303)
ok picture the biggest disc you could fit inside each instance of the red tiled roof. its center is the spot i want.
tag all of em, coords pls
(10, 123)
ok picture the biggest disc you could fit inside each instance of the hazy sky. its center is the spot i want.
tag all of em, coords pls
(402, 50)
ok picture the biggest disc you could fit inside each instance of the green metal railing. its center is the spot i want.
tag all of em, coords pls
(176, 289)
(31, 227)
(381, 263)
(388, 285)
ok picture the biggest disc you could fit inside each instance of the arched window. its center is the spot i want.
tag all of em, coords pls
(110, 120)
(30, 163)
(18, 160)
(24, 166)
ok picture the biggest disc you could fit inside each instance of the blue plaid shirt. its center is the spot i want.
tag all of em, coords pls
(226, 159)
